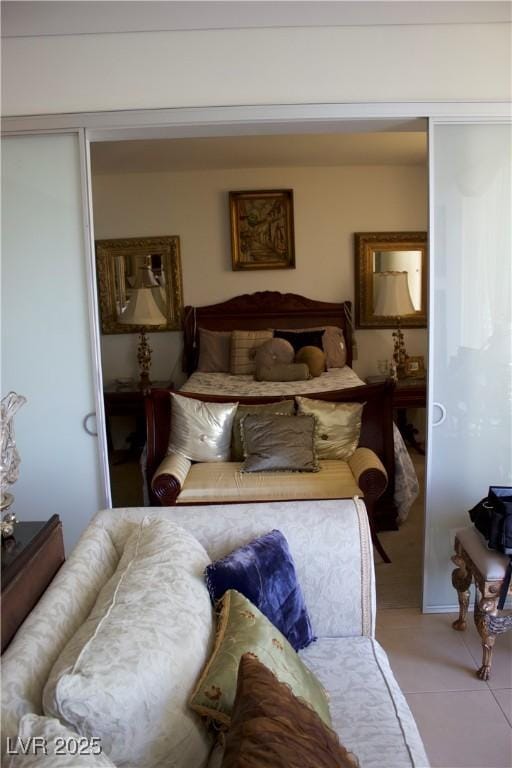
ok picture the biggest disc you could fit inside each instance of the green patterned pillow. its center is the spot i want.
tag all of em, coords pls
(242, 628)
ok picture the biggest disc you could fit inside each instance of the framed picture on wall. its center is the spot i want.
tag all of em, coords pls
(262, 235)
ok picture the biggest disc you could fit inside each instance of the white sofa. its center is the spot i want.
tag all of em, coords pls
(331, 546)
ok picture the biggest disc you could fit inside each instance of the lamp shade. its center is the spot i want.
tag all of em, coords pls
(392, 297)
(142, 309)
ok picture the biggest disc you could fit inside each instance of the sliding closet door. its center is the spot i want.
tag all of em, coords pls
(46, 341)
(470, 360)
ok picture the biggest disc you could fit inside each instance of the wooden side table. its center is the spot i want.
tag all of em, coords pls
(30, 560)
(409, 393)
(128, 400)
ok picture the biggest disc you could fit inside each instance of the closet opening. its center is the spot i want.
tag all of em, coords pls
(348, 178)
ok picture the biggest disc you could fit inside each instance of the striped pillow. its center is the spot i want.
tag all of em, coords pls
(242, 345)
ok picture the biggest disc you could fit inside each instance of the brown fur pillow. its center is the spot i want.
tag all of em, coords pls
(271, 728)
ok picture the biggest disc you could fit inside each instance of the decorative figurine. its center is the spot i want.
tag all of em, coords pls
(9, 458)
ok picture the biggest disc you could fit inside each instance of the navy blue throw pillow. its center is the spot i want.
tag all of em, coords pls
(299, 339)
(264, 572)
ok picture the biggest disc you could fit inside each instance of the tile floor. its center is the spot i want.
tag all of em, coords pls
(464, 722)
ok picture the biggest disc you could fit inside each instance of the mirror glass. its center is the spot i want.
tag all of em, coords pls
(385, 252)
(123, 266)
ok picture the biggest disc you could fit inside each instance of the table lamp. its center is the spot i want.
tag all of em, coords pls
(392, 299)
(143, 311)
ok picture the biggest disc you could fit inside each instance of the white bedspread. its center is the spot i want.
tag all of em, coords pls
(227, 385)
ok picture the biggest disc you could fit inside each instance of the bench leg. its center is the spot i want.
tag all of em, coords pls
(485, 608)
(461, 580)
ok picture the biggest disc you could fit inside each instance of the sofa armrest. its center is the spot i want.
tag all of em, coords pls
(369, 473)
(169, 477)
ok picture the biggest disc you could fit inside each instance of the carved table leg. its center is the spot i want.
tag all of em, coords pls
(484, 610)
(461, 580)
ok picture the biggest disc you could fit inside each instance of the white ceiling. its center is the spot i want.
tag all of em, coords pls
(161, 155)
(73, 18)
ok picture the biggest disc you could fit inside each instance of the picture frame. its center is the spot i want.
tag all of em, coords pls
(262, 231)
(117, 264)
(415, 367)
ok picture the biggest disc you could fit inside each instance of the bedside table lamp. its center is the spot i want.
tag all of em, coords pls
(143, 311)
(392, 299)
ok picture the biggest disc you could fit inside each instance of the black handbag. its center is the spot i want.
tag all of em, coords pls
(492, 516)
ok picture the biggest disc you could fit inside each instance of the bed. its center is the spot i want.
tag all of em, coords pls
(272, 309)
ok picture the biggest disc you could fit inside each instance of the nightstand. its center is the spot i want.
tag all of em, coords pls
(30, 560)
(127, 399)
(409, 393)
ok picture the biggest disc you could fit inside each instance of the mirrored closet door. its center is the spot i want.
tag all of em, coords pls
(470, 386)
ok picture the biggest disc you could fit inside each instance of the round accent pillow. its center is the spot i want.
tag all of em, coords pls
(273, 352)
(314, 359)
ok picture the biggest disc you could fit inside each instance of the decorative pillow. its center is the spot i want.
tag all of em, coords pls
(264, 572)
(242, 345)
(338, 426)
(214, 351)
(333, 344)
(66, 748)
(299, 339)
(143, 649)
(282, 372)
(278, 444)
(273, 352)
(285, 407)
(272, 728)
(242, 628)
(314, 359)
(201, 431)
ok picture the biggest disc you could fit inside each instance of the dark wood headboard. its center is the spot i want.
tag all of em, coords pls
(264, 309)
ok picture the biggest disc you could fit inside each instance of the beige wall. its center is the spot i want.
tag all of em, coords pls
(77, 73)
(330, 204)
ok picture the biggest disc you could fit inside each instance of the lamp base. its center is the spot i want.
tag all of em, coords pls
(144, 360)
(399, 353)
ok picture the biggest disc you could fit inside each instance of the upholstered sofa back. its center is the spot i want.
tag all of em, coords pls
(329, 541)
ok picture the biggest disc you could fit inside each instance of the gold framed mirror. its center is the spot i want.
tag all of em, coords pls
(386, 252)
(139, 262)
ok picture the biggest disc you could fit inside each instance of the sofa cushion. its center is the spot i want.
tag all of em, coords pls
(272, 728)
(214, 351)
(243, 348)
(144, 647)
(274, 443)
(264, 572)
(369, 711)
(201, 431)
(223, 482)
(65, 747)
(242, 628)
(286, 407)
(338, 426)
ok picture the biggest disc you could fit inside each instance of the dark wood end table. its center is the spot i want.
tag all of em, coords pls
(409, 393)
(30, 560)
(128, 400)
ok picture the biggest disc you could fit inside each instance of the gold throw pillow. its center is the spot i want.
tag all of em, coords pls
(338, 426)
